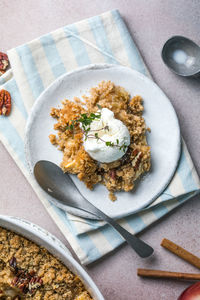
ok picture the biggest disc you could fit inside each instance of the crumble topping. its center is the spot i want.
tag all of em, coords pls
(121, 174)
(28, 271)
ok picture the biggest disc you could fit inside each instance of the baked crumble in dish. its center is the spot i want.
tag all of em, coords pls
(75, 135)
(29, 271)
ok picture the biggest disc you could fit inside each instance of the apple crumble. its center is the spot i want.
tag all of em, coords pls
(28, 271)
(72, 131)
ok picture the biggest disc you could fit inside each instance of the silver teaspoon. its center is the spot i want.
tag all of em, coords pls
(53, 181)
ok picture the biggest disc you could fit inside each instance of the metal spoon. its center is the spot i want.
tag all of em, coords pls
(52, 179)
(182, 56)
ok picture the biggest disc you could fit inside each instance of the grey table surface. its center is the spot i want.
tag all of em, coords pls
(151, 23)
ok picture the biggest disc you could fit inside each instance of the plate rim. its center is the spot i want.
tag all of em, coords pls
(98, 66)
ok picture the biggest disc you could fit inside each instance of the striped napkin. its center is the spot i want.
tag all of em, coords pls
(35, 66)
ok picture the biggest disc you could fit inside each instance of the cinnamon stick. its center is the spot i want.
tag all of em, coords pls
(168, 275)
(181, 252)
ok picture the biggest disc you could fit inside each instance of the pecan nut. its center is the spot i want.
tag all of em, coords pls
(5, 102)
(26, 281)
(4, 62)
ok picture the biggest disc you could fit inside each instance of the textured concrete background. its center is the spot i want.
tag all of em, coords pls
(151, 23)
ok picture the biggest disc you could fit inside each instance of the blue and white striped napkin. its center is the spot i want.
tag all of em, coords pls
(35, 65)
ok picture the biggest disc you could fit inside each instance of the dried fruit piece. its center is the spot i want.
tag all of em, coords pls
(4, 62)
(113, 174)
(13, 264)
(5, 102)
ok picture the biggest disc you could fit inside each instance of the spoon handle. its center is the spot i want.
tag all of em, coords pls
(140, 247)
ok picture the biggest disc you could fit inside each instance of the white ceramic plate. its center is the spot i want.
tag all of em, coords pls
(53, 245)
(159, 115)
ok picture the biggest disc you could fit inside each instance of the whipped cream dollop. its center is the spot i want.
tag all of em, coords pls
(110, 130)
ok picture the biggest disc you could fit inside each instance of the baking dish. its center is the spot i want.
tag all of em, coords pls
(53, 245)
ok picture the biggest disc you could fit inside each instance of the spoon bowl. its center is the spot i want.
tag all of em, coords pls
(182, 56)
